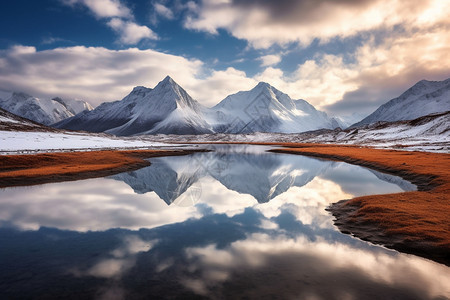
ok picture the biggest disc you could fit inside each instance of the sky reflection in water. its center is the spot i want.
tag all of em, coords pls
(239, 224)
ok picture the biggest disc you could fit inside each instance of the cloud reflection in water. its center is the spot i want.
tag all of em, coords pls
(238, 225)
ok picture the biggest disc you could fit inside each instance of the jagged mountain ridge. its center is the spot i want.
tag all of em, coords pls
(424, 98)
(168, 109)
(43, 111)
(431, 131)
(266, 109)
(12, 122)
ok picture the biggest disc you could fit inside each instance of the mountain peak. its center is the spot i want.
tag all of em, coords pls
(263, 84)
(167, 82)
(140, 91)
(168, 79)
(423, 98)
(60, 101)
(21, 95)
(266, 87)
(139, 88)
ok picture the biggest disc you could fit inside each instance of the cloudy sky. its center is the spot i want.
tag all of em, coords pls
(343, 56)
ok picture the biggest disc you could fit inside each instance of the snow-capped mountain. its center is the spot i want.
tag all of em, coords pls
(424, 98)
(12, 122)
(347, 120)
(167, 108)
(427, 133)
(74, 106)
(266, 109)
(44, 111)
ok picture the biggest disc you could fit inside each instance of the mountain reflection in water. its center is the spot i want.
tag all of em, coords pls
(241, 223)
(239, 168)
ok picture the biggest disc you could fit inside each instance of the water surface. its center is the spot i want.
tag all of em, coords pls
(234, 223)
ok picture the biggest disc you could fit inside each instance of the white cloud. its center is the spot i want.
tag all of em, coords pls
(377, 72)
(51, 40)
(94, 74)
(104, 8)
(130, 32)
(163, 11)
(264, 23)
(321, 81)
(218, 85)
(320, 264)
(99, 74)
(108, 8)
(120, 19)
(269, 60)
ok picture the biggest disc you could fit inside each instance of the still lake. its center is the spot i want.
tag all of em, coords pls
(234, 223)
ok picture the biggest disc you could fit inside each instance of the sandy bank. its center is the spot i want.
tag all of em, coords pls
(22, 170)
(413, 222)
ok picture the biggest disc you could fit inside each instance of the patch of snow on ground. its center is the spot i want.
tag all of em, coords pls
(30, 142)
(9, 120)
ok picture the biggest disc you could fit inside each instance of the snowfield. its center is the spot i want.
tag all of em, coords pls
(430, 133)
(20, 142)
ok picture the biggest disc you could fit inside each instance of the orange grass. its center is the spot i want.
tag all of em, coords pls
(420, 218)
(415, 222)
(16, 170)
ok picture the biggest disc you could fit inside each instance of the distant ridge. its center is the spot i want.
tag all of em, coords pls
(424, 98)
(12, 122)
(43, 111)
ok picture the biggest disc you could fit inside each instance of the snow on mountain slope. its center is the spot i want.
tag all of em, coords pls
(20, 135)
(74, 106)
(166, 108)
(427, 133)
(266, 109)
(424, 98)
(348, 120)
(182, 121)
(12, 122)
(107, 115)
(44, 111)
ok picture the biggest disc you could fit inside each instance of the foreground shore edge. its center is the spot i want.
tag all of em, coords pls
(410, 222)
(34, 169)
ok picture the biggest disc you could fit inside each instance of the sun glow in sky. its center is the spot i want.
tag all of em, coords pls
(343, 56)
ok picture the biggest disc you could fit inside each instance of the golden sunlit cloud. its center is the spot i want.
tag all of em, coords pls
(264, 23)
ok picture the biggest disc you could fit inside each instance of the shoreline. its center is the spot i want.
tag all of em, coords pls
(41, 168)
(411, 222)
